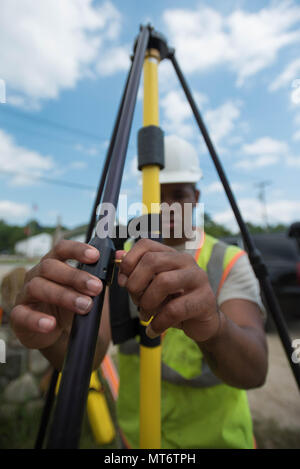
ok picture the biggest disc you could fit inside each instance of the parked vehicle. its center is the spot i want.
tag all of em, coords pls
(281, 254)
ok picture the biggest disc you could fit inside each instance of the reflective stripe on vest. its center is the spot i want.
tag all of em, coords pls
(203, 380)
(214, 268)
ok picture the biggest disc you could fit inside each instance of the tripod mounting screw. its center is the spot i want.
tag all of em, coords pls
(156, 41)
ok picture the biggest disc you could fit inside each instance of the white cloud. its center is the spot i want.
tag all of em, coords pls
(214, 187)
(296, 136)
(263, 152)
(178, 118)
(167, 76)
(246, 42)
(221, 121)
(265, 145)
(235, 140)
(78, 165)
(297, 119)
(131, 172)
(217, 187)
(283, 210)
(177, 114)
(293, 161)
(90, 150)
(114, 60)
(134, 171)
(47, 46)
(16, 159)
(287, 76)
(260, 162)
(11, 210)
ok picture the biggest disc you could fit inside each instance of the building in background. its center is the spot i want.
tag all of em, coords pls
(35, 246)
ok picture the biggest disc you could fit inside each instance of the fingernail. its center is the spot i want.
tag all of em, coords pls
(150, 332)
(91, 253)
(121, 254)
(45, 324)
(94, 286)
(82, 303)
(122, 280)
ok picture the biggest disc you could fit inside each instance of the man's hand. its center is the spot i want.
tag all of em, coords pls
(170, 286)
(53, 291)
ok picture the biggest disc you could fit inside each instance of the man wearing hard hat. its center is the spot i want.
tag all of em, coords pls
(206, 306)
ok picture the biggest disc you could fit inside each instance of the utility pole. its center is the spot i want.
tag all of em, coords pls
(57, 235)
(262, 198)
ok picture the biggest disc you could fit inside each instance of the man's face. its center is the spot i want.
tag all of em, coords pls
(180, 193)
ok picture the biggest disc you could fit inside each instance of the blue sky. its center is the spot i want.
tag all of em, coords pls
(65, 63)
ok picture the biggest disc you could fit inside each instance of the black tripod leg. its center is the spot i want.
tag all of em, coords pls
(254, 255)
(69, 410)
(106, 165)
(46, 411)
(50, 394)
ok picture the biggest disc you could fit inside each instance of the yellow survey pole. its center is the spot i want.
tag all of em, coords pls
(150, 357)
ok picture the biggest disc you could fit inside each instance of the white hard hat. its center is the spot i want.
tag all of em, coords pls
(181, 162)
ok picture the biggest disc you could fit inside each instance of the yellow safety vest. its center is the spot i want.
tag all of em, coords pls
(198, 410)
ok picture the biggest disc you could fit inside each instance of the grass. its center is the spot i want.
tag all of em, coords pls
(19, 429)
(19, 260)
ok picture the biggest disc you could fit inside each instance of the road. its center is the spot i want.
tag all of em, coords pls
(276, 406)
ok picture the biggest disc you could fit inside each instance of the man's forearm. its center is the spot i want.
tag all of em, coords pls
(237, 355)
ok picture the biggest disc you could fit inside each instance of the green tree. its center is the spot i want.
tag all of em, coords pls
(214, 229)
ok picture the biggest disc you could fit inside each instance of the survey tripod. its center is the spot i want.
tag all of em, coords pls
(149, 49)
